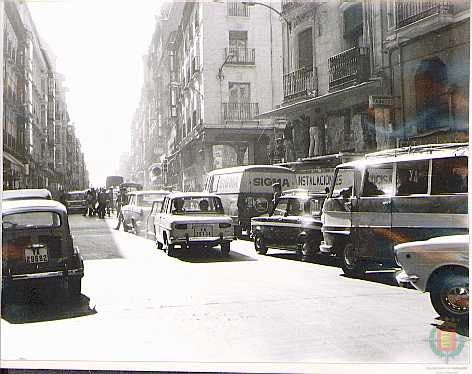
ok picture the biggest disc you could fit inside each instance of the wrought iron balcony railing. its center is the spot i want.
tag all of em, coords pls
(410, 11)
(299, 83)
(241, 56)
(348, 68)
(237, 9)
(240, 111)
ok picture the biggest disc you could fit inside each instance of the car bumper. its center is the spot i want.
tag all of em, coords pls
(45, 275)
(405, 280)
(326, 248)
(188, 240)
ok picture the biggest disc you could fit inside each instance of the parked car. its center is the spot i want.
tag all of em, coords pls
(76, 201)
(439, 266)
(295, 224)
(37, 245)
(25, 194)
(392, 197)
(190, 219)
(134, 215)
(155, 211)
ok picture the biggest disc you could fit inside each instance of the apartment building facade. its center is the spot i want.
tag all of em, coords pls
(31, 115)
(367, 75)
(213, 67)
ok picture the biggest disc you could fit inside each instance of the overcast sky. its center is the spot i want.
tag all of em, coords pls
(99, 45)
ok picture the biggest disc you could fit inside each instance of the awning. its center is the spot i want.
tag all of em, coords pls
(13, 160)
(337, 100)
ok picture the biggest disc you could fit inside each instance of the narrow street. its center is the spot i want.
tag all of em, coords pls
(138, 304)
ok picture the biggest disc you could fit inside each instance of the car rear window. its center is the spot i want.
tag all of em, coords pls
(75, 196)
(148, 199)
(19, 221)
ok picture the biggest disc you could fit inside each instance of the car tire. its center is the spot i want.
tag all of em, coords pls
(225, 249)
(449, 293)
(259, 245)
(350, 263)
(170, 250)
(308, 251)
(75, 288)
(135, 227)
(125, 226)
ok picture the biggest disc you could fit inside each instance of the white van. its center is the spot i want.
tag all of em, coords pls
(393, 197)
(246, 191)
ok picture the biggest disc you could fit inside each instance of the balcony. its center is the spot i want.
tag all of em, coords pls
(348, 68)
(301, 82)
(240, 111)
(410, 11)
(241, 56)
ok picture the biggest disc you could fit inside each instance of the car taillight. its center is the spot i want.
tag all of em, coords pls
(225, 225)
(180, 226)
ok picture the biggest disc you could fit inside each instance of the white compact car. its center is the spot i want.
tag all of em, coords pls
(193, 219)
(439, 266)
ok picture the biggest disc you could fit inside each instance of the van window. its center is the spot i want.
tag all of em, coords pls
(343, 182)
(214, 183)
(449, 175)
(412, 177)
(378, 181)
(296, 208)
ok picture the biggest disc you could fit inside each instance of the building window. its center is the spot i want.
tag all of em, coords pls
(239, 92)
(237, 9)
(238, 39)
(305, 49)
(432, 100)
(352, 21)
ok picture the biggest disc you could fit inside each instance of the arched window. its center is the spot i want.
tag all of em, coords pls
(432, 102)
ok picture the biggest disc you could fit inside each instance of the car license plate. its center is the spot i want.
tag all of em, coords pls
(36, 254)
(202, 231)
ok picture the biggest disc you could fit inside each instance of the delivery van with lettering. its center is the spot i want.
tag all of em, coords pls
(246, 191)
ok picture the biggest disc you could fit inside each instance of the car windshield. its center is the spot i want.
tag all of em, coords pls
(146, 200)
(197, 205)
(18, 221)
(75, 196)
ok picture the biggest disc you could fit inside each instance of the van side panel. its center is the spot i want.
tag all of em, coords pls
(425, 217)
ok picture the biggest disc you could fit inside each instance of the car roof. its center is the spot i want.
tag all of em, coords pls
(175, 195)
(162, 192)
(12, 206)
(30, 193)
(256, 168)
(81, 191)
(301, 193)
(409, 154)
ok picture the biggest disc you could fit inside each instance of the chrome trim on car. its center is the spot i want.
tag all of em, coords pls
(49, 274)
(326, 248)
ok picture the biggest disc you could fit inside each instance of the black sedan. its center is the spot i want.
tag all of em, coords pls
(294, 224)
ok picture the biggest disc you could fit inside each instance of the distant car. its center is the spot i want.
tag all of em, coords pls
(76, 201)
(134, 215)
(439, 266)
(37, 245)
(189, 219)
(155, 211)
(24, 194)
(294, 224)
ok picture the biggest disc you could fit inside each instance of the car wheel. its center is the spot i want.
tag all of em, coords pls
(225, 248)
(135, 227)
(170, 250)
(449, 295)
(259, 245)
(308, 250)
(350, 262)
(125, 226)
(75, 288)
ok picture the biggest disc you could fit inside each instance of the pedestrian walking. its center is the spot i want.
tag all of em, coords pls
(102, 201)
(276, 193)
(121, 200)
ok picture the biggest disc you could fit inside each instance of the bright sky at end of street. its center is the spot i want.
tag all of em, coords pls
(99, 47)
